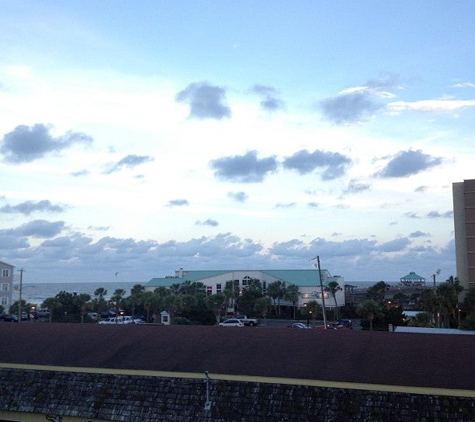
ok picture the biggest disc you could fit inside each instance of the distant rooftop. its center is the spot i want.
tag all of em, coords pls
(412, 277)
(427, 330)
(298, 277)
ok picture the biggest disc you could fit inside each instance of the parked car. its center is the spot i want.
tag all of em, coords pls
(340, 325)
(246, 320)
(43, 313)
(8, 318)
(93, 315)
(231, 322)
(298, 325)
(121, 320)
(345, 323)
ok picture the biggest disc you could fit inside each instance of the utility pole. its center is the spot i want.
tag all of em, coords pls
(433, 277)
(322, 292)
(19, 301)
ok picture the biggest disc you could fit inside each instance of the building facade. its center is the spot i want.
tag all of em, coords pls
(308, 282)
(464, 229)
(6, 285)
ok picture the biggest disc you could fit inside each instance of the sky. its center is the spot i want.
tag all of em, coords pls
(137, 138)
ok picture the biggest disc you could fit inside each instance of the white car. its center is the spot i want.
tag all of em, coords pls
(121, 320)
(232, 322)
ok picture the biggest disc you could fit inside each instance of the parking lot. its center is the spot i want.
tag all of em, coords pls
(284, 323)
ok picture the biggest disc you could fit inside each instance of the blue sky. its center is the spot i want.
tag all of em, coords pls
(141, 138)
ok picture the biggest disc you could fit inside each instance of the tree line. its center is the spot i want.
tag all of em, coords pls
(440, 307)
(187, 302)
(190, 303)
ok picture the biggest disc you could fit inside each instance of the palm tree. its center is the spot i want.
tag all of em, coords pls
(117, 299)
(162, 291)
(378, 291)
(292, 295)
(311, 309)
(369, 308)
(99, 300)
(191, 287)
(422, 319)
(276, 291)
(216, 303)
(135, 297)
(81, 301)
(447, 294)
(261, 306)
(172, 303)
(51, 304)
(429, 302)
(100, 292)
(175, 288)
(334, 287)
(150, 303)
(230, 293)
(458, 288)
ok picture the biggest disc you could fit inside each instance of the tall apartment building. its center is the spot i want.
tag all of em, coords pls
(464, 225)
(6, 285)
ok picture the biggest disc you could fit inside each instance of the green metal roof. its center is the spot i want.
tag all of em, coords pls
(298, 277)
(188, 276)
(412, 276)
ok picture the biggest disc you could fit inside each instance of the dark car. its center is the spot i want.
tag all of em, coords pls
(346, 323)
(8, 318)
(298, 325)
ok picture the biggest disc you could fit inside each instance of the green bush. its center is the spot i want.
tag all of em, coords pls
(468, 323)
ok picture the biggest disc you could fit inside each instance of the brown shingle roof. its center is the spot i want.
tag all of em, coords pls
(401, 359)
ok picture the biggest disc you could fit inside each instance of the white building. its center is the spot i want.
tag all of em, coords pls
(215, 281)
(6, 285)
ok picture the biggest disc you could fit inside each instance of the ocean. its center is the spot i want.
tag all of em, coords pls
(36, 293)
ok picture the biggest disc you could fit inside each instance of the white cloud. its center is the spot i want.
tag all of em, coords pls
(438, 105)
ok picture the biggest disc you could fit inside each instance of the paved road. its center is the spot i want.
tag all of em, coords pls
(283, 323)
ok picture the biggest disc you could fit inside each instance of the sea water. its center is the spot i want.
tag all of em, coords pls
(36, 293)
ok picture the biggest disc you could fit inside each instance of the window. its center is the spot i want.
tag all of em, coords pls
(245, 281)
(5, 287)
(5, 273)
(4, 301)
(218, 288)
(209, 290)
(264, 287)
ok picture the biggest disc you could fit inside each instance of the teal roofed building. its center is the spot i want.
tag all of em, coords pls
(215, 281)
(413, 279)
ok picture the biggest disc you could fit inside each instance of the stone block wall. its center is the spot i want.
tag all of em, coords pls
(106, 397)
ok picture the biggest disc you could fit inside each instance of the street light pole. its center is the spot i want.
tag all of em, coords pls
(19, 301)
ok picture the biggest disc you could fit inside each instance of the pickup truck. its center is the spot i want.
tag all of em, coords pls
(247, 320)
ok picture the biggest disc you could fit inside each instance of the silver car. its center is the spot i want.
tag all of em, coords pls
(232, 322)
